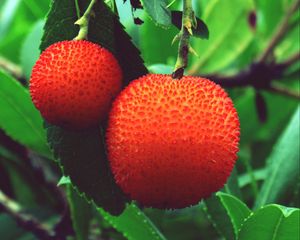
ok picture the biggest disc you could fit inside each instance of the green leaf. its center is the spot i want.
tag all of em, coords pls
(245, 179)
(81, 213)
(160, 69)
(37, 8)
(221, 215)
(158, 11)
(201, 29)
(289, 45)
(30, 49)
(232, 185)
(10, 230)
(104, 29)
(272, 222)
(81, 155)
(237, 210)
(18, 116)
(283, 164)
(267, 20)
(229, 35)
(7, 13)
(134, 224)
(24, 178)
(159, 50)
(22, 189)
(251, 128)
(268, 23)
(22, 17)
(218, 216)
(8, 154)
(227, 213)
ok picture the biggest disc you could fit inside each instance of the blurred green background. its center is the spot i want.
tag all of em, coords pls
(240, 31)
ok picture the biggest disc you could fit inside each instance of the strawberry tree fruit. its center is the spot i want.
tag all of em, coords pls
(172, 142)
(73, 83)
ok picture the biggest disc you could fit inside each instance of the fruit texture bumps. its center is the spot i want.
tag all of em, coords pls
(73, 83)
(171, 142)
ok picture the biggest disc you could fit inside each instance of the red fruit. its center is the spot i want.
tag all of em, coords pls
(73, 83)
(172, 142)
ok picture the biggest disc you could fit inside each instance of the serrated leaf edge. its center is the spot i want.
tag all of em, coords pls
(262, 207)
(154, 21)
(88, 199)
(218, 194)
(146, 221)
(205, 209)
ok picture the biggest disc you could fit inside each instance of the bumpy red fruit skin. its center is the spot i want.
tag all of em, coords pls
(73, 83)
(172, 142)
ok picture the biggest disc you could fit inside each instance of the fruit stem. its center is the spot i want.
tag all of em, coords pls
(77, 9)
(188, 21)
(83, 22)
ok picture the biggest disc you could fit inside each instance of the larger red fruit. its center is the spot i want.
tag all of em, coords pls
(73, 83)
(172, 142)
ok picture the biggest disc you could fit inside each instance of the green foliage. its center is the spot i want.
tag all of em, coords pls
(266, 171)
(158, 11)
(134, 224)
(167, 52)
(22, 188)
(10, 230)
(219, 213)
(272, 222)
(230, 35)
(9, 9)
(19, 118)
(245, 179)
(218, 216)
(81, 213)
(269, 222)
(232, 186)
(30, 49)
(60, 23)
(81, 155)
(16, 17)
(289, 46)
(236, 210)
(278, 184)
(251, 127)
(267, 27)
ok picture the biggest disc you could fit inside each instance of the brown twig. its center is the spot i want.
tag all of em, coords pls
(25, 221)
(284, 91)
(258, 75)
(292, 59)
(11, 67)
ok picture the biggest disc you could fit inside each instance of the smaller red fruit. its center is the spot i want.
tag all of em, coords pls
(73, 83)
